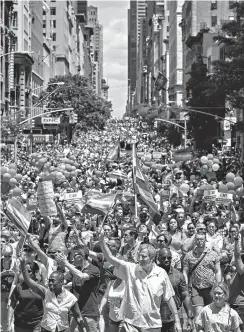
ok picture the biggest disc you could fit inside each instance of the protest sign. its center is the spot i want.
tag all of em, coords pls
(210, 195)
(32, 204)
(157, 155)
(164, 195)
(224, 198)
(45, 195)
(72, 197)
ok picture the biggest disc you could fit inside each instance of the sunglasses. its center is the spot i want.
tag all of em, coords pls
(28, 250)
(161, 241)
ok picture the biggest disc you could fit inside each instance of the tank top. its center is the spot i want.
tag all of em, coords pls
(115, 297)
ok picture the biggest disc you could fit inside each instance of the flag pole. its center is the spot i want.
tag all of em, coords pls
(134, 175)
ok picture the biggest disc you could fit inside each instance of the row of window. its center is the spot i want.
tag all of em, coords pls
(214, 20)
(214, 4)
(53, 23)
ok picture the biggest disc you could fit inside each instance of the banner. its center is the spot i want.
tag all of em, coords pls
(72, 197)
(45, 195)
(210, 195)
(224, 198)
(182, 155)
(32, 204)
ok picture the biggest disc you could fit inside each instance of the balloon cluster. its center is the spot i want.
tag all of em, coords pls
(65, 169)
(210, 163)
(234, 185)
(9, 175)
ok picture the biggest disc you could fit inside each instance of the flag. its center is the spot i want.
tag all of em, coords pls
(141, 189)
(18, 215)
(114, 153)
(100, 204)
(117, 174)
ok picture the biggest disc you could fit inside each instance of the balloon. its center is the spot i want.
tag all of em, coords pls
(147, 163)
(205, 167)
(73, 173)
(98, 173)
(223, 188)
(210, 156)
(230, 186)
(62, 166)
(12, 166)
(230, 177)
(12, 172)
(6, 177)
(216, 161)
(192, 177)
(145, 169)
(18, 177)
(238, 181)
(13, 182)
(16, 192)
(184, 188)
(4, 170)
(209, 163)
(215, 167)
(208, 187)
(42, 161)
(204, 160)
(239, 192)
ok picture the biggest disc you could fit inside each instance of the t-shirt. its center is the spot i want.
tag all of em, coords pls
(88, 302)
(29, 310)
(106, 273)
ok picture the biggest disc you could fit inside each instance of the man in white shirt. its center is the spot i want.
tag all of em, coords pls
(146, 283)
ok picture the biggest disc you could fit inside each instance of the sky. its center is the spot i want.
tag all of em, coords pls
(113, 16)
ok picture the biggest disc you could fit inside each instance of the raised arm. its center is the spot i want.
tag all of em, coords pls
(62, 216)
(107, 253)
(237, 256)
(40, 253)
(60, 258)
(38, 289)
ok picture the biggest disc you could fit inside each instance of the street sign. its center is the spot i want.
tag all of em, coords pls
(50, 120)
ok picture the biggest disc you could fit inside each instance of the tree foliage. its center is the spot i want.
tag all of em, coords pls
(91, 109)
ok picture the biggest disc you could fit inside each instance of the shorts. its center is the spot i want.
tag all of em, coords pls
(201, 297)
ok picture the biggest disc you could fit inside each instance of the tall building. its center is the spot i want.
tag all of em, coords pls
(201, 21)
(96, 47)
(7, 40)
(64, 37)
(136, 12)
(21, 100)
(36, 8)
(175, 52)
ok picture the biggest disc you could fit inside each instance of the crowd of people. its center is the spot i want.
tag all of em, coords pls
(122, 271)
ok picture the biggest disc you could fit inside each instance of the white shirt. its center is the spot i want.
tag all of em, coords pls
(56, 310)
(141, 303)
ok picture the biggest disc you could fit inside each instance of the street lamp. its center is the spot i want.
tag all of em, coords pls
(177, 125)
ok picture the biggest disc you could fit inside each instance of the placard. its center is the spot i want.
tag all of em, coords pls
(157, 155)
(72, 197)
(32, 204)
(210, 195)
(224, 198)
(45, 195)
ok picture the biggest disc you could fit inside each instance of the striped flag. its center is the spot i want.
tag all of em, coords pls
(100, 204)
(141, 188)
(117, 174)
(18, 215)
(114, 153)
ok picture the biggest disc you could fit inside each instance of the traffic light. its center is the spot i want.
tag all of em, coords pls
(33, 123)
(75, 118)
(155, 124)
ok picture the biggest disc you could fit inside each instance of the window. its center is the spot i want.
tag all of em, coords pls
(15, 19)
(214, 20)
(213, 4)
(53, 11)
(54, 36)
(44, 34)
(54, 23)
(44, 24)
(43, 12)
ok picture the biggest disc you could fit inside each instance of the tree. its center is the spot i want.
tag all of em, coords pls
(91, 109)
(202, 98)
(228, 78)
